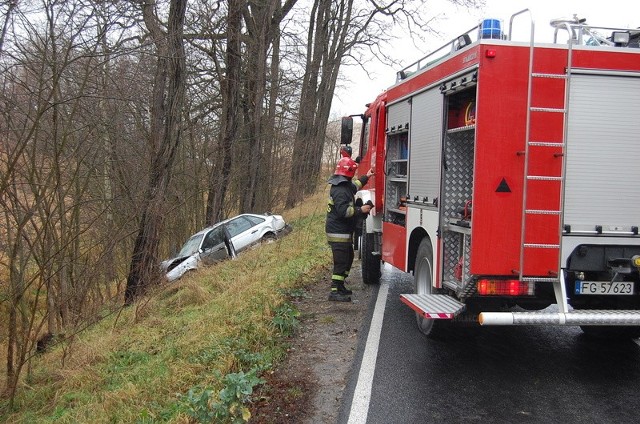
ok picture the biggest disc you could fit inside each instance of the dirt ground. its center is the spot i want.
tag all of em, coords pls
(308, 387)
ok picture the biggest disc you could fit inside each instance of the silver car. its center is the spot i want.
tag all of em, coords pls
(224, 240)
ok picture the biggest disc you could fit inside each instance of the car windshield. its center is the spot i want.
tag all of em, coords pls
(191, 246)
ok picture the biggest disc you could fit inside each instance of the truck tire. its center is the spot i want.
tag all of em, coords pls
(370, 263)
(423, 284)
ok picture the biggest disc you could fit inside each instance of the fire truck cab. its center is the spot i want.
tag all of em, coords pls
(507, 175)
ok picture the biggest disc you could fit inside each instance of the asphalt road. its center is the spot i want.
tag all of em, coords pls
(486, 374)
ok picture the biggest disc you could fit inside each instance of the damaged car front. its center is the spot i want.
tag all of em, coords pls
(206, 247)
(224, 240)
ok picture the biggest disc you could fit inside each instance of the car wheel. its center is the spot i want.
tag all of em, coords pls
(268, 238)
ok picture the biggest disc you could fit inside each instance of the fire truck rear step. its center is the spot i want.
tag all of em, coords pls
(433, 306)
(574, 317)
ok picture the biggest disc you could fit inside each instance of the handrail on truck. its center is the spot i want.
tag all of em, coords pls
(520, 13)
(579, 32)
(453, 45)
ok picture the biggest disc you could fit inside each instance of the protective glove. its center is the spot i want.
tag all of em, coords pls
(366, 208)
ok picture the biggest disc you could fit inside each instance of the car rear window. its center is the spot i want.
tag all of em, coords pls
(256, 220)
(238, 225)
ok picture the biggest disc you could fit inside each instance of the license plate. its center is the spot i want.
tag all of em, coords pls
(605, 287)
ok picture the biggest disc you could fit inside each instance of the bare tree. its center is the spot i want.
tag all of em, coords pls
(46, 177)
(341, 30)
(249, 85)
(262, 20)
(220, 177)
(164, 138)
(11, 5)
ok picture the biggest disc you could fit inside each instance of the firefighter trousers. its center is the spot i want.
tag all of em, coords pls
(342, 260)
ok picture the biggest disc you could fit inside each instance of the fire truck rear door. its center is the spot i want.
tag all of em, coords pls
(602, 186)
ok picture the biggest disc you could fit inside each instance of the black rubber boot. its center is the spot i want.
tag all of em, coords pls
(342, 289)
(337, 296)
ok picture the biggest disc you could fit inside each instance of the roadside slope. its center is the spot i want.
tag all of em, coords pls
(308, 386)
(176, 355)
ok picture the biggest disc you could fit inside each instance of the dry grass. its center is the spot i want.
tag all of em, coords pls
(138, 365)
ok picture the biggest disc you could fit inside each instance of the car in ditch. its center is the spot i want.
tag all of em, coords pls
(224, 240)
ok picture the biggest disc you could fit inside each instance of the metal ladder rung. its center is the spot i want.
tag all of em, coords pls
(543, 75)
(564, 80)
(541, 212)
(546, 144)
(543, 178)
(548, 109)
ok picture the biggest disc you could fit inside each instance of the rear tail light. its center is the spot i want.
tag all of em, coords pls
(505, 288)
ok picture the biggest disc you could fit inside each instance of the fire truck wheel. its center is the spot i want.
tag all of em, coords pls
(607, 332)
(370, 262)
(423, 284)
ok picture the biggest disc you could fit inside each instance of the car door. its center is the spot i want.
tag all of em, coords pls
(243, 233)
(214, 248)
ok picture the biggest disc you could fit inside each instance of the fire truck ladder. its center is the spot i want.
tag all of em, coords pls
(544, 183)
(532, 149)
(563, 316)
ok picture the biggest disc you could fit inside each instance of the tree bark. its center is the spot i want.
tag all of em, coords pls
(325, 49)
(220, 176)
(262, 20)
(164, 137)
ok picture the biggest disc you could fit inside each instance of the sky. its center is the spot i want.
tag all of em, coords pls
(361, 87)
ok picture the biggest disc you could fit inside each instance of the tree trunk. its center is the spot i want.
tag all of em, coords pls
(258, 21)
(166, 114)
(265, 186)
(322, 66)
(220, 176)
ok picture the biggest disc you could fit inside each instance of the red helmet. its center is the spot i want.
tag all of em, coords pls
(346, 167)
(345, 151)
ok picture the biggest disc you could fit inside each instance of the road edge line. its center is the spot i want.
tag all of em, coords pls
(362, 393)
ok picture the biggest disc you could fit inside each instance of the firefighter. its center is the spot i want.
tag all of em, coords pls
(345, 151)
(342, 214)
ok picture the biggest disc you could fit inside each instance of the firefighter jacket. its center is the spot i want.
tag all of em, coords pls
(342, 211)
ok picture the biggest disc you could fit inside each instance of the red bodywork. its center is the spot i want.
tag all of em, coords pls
(500, 140)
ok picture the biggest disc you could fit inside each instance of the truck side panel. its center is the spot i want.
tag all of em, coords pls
(603, 153)
(425, 146)
(394, 245)
(498, 177)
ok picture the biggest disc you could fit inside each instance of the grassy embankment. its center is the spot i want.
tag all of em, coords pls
(191, 350)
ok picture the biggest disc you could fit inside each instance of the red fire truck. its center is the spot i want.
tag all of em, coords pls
(508, 179)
